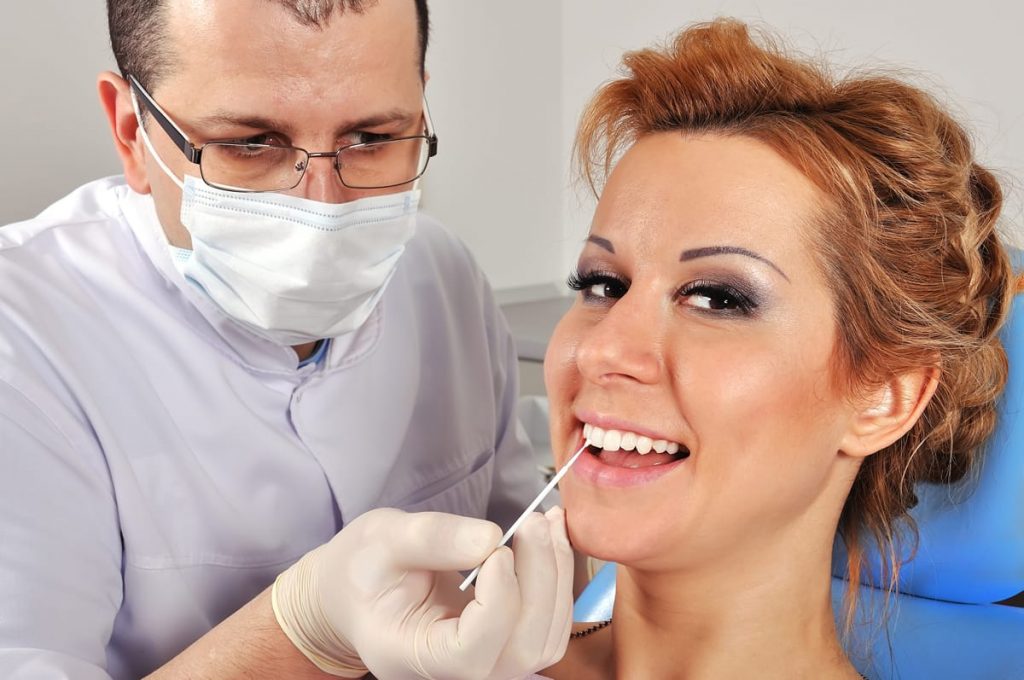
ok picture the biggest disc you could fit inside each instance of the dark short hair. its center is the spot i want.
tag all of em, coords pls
(137, 31)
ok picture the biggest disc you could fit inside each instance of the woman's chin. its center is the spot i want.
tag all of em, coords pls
(611, 542)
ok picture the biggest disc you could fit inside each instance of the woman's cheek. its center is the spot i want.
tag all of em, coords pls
(561, 370)
(561, 376)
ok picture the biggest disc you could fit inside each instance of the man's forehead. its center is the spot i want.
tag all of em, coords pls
(312, 13)
(264, 64)
(266, 37)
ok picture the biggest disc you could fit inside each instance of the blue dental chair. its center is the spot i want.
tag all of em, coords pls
(944, 623)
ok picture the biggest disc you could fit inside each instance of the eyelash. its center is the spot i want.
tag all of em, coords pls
(743, 304)
(582, 282)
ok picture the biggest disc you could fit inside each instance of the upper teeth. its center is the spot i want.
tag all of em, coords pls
(614, 440)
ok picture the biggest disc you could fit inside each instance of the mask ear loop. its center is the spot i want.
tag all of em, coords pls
(149, 143)
(179, 256)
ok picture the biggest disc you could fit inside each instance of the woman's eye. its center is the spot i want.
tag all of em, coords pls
(716, 298)
(598, 286)
(601, 290)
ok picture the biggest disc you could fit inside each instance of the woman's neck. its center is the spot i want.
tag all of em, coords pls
(765, 613)
(738, 622)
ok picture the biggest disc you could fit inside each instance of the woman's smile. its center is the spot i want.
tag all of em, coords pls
(621, 454)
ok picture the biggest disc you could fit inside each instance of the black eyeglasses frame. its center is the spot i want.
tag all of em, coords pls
(194, 154)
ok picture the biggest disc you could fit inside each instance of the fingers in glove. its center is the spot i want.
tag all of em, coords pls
(382, 545)
(475, 640)
(561, 619)
(438, 541)
(537, 574)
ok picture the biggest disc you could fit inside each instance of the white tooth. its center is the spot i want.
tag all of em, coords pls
(673, 448)
(660, 445)
(643, 445)
(597, 436)
(587, 427)
(628, 441)
(612, 439)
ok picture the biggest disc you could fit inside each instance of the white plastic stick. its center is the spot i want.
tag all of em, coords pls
(533, 506)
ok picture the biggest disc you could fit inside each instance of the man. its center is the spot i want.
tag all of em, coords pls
(212, 365)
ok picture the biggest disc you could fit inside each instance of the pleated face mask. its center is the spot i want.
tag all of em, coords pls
(296, 270)
(292, 269)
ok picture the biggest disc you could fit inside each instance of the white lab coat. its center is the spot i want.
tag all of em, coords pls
(160, 464)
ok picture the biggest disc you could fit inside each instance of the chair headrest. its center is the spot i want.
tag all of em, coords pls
(972, 533)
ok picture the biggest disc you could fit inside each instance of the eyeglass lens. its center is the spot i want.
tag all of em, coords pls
(257, 167)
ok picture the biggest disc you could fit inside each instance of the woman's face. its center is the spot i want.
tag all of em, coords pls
(703, 327)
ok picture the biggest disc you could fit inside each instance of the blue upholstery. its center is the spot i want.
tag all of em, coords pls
(596, 600)
(929, 639)
(925, 639)
(972, 534)
(971, 553)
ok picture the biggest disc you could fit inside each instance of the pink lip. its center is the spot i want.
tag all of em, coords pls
(608, 423)
(589, 469)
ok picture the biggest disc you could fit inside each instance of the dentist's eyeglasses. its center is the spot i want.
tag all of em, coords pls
(241, 166)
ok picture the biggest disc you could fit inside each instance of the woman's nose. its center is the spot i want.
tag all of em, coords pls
(625, 345)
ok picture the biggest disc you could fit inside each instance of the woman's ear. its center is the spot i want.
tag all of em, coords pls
(889, 412)
(116, 99)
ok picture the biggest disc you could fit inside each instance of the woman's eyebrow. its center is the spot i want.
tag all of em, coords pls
(602, 243)
(711, 251)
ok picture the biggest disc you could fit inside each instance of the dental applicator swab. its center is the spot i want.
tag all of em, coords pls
(533, 506)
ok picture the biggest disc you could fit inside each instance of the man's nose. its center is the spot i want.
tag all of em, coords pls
(321, 182)
(625, 346)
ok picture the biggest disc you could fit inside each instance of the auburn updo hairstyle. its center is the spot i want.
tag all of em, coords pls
(907, 239)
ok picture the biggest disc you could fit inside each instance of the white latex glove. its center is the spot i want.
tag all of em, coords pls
(383, 596)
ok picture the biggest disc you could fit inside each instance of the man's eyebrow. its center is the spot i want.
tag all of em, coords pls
(602, 243)
(384, 118)
(228, 118)
(711, 251)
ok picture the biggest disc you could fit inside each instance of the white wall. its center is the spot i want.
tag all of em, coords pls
(971, 55)
(52, 131)
(508, 82)
(495, 98)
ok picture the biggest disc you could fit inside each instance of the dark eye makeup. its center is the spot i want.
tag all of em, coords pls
(718, 297)
(598, 286)
(710, 296)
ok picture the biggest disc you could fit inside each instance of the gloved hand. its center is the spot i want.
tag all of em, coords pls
(383, 595)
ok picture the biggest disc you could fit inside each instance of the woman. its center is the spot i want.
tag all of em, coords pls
(787, 318)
